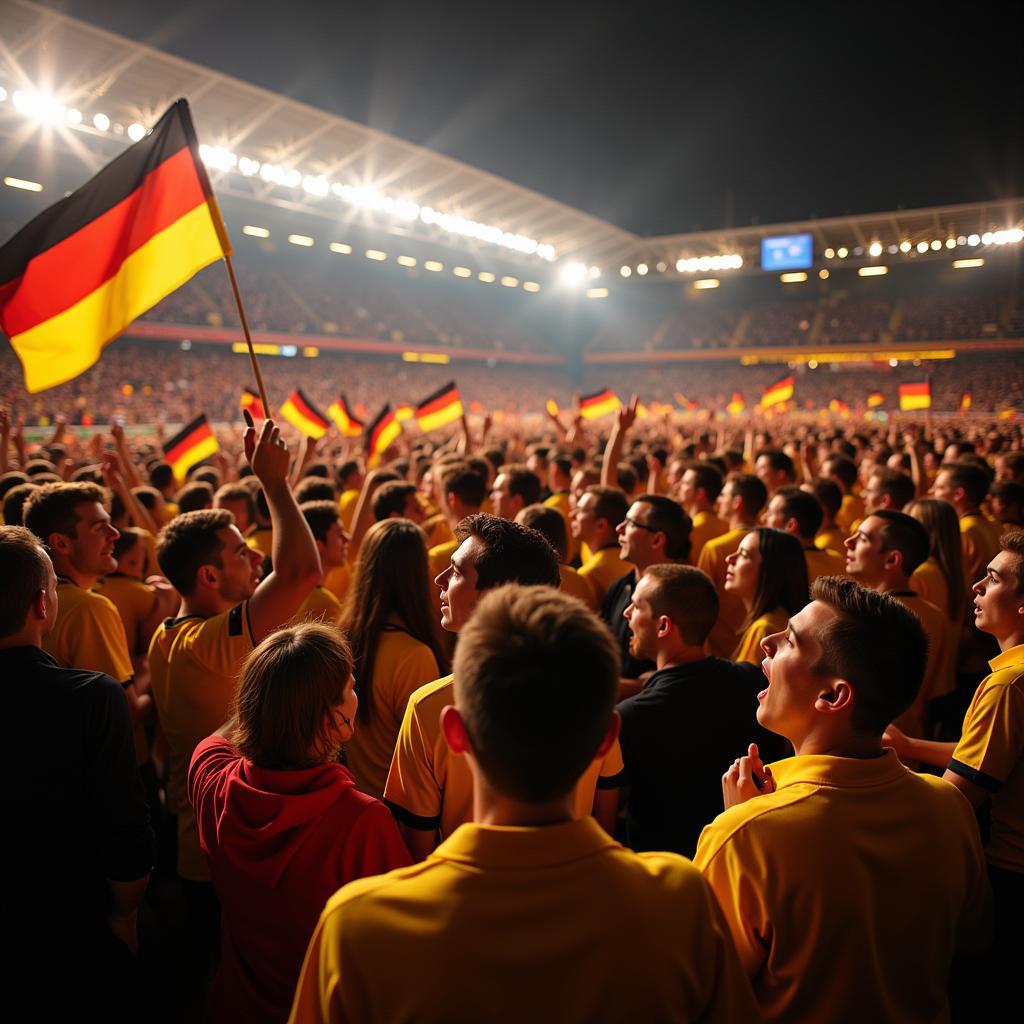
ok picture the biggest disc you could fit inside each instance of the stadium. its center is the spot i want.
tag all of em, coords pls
(376, 365)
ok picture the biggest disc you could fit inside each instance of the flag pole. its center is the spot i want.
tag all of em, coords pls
(267, 411)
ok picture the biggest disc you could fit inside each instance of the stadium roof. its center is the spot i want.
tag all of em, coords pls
(267, 148)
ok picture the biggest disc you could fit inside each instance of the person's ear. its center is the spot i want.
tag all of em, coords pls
(454, 730)
(39, 604)
(207, 576)
(59, 544)
(614, 727)
(792, 526)
(838, 697)
(893, 559)
(664, 626)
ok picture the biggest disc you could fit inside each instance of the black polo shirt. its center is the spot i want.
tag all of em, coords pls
(679, 736)
(613, 608)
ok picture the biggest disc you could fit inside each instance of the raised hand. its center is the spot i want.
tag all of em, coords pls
(746, 778)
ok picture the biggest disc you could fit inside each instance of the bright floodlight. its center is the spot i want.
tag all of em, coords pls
(573, 273)
(641, 269)
(303, 240)
(101, 121)
(462, 272)
(3, 94)
(28, 186)
(922, 246)
(597, 293)
(950, 243)
(340, 247)
(626, 271)
(595, 272)
(875, 249)
(842, 252)
(136, 131)
(830, 254)
(905, 246)
(936, 244)
(433, 266)
(531, 286)
(255, 231)
(823, 273)
(74, 115)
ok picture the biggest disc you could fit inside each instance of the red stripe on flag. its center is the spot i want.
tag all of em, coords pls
(445, 400)
(188, 443)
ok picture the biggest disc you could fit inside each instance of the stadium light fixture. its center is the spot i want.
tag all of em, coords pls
(707, 282)
(794, 277)
(1010, 235)
(433, 266)
(22, 183)
(340, 247)
(973, 240)
(936, 244)
(661, 266)
(462, 272)
(74, 115)
(875, 249)
(965, 264)
(627, 271)
(842, 252)
(376, 255)
(905, 246)
(101, 121)
(950, 243)
(872, 271)
(304, 240)
(922, 246)
(893, 249)
(3, 94)
(986, 239)
(217, 157)
(248, 166)
(510, 282)
(315, 185)
(597, 293)
(894, 363)
(486, 276)
(641, 269)
(830, 254)
(256, 232)
(136, 131)
(406, 261)
(823, 273)
(531, 286)
(812, 364)
(595, 272)
(573, 273)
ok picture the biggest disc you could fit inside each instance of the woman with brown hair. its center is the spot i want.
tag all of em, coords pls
(280, 820)
(940, 579)
(396, 647)
(768, 572)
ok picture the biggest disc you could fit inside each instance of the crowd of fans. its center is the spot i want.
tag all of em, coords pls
(690, 724)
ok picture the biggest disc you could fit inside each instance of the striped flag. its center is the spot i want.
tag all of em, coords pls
(965, 401)
(302, 414)
(193, 443)
(444, 406)
(917, 395)
(839, 407)
(736, 404)
(251, 400)
(600, 403)
(780, 391)
(875, 399)
(73, 279)
(347, 422)
(382, 433)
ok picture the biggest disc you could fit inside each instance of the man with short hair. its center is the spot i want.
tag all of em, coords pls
(548, 522)
(595, 520)
(795, 511)
(654, 531)
(80, 849)
(740, 503)
(225, 611)
(461, 492)
(774, 468)
(841, 873)
(842, 471)
(398, 499)
(428, 791)
(965, 486)
(887, 489)
(699, 487)
(830, 498)
(882, 554)
(237, 498)
(322, 603)
(693, 716)
(514, 488)
(531, 910)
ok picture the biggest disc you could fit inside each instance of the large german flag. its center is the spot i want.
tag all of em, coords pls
(444, 406)
(251, 400)
(780, 391)
(74, 278)
(382, 433)
(302, 414)
(600, 403)
(193, 443)
(915, 396)
(346, 420)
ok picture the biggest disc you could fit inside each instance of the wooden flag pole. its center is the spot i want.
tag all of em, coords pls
(267, 411)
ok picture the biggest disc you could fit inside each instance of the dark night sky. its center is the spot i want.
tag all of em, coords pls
(664, 119)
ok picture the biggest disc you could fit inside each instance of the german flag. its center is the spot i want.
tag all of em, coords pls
(346, 421)
(302, 414)
(444, 406)
(193, 443)
(73, 279)
(598, 404)
(839, 407)
(965, 401)
(404, 412)
(251, 400)
(875, 399)
(736, 404)
(780, 391)
(383, 432)
(552, 407)
(915, 396)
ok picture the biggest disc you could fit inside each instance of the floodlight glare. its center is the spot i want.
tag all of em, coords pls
(626, 271)
(986, 239)
(830, 254)
(531, 286)
(406, 261)
(136, 131)
(597, 293)
(303, 240)
(842, 252)
(595, 272)
(340, 247)
(433, 266)
(574, 273)
(823, 273)
(256, 232)
(905, 246)
(641, 269)
(950, 243)
(922, 246)
(486, 276)
(875, 249)
(101, 121)
(28, 186)
(74, 115)
(462, 272)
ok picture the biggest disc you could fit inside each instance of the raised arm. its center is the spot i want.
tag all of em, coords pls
(613, 450)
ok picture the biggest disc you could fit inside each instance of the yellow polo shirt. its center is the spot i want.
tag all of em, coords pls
(830, 539)
(749, 648)
(604, 568)
(347, 507)
(849, 512)
(580, 587)
(930, 582)
(513, 924)
(940, 668)
(991, 754)
(848, 888)
(134, 602)
(979, 538)
(193, 670)
(402, 665)
(560, 501)
(731, 612)
(337, 580)
(88, 633)
(320, 605)
(429, 789)
(823, 562)
(706, 526)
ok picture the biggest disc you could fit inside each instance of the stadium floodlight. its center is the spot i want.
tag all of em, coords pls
(531, 286)
(641, 269)
(812, 364)
(950, 243)
(936, 244)
(74, 115)
(661, 266)
(376, 255)
(22, 183)
(823, 273)
(315, 185)
(893, 249)
(248, 166)
(842, 252)
(256, 232)
(3, 94)
(793, 277)
(136, 131)
(595, 272)
(340, 247)
(574, 273)
(433, 266)
(922, 246)
(961, 240)
(707, 282)
(303, 240)
(462, 272)
(965, 264)
(1010, 235)
(894, 363)
(217, 157)
(39, 107)
(875, 249)
(986, 239)
(597, 293)
(830, 254)
(872, 271)
(905, 246)
(101, 121)
(486, 276)
(406, 261)
(627, 271)
(510, 282)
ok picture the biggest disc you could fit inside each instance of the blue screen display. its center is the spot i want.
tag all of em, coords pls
(787, 252)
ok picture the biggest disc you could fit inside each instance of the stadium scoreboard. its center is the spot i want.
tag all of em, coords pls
(787, 252)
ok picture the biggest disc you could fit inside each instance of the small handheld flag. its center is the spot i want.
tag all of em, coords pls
(780, 391)
(736, 404)
(875, 399)
(444, 406)
(251, 400)
(193, 443)
(382, 433)
(598, 404)
(917, 395)
(302, 414)
(344, 418)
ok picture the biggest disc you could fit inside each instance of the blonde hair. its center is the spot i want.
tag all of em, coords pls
(940, 520)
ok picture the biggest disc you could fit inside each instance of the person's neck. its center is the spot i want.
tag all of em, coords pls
(29, 636)
(828, 744)
(491, 808)
(206, 604)
(892, 583)
(741, 520)
(603, 543)
(678, 655)
(1014, 639)
(66, 571)
(965, 511)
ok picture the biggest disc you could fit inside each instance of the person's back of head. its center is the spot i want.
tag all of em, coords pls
(190, 541)
(508, 553)
(289, 693)
(161, 476)
(466, 484)
(685, 595)
(842, 469)
(536, 677)
(897, 487)
(194, 496)
(750, 490)
(14, 503)
(802, 508)
(903, 533)
(314, 488)
(612, 505)
(26, 572)
(12, 478)
(548, 522)
(940, 521)
(969, 477)
(391, 499)
(828, 494)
